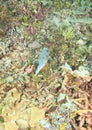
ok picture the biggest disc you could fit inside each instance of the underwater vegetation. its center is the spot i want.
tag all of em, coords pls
(45, 65)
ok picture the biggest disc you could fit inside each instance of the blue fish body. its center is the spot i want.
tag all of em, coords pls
(42, 59)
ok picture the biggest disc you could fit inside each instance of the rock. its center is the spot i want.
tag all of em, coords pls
(22, 124)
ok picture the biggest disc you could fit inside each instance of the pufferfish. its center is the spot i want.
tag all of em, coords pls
(42, 60)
